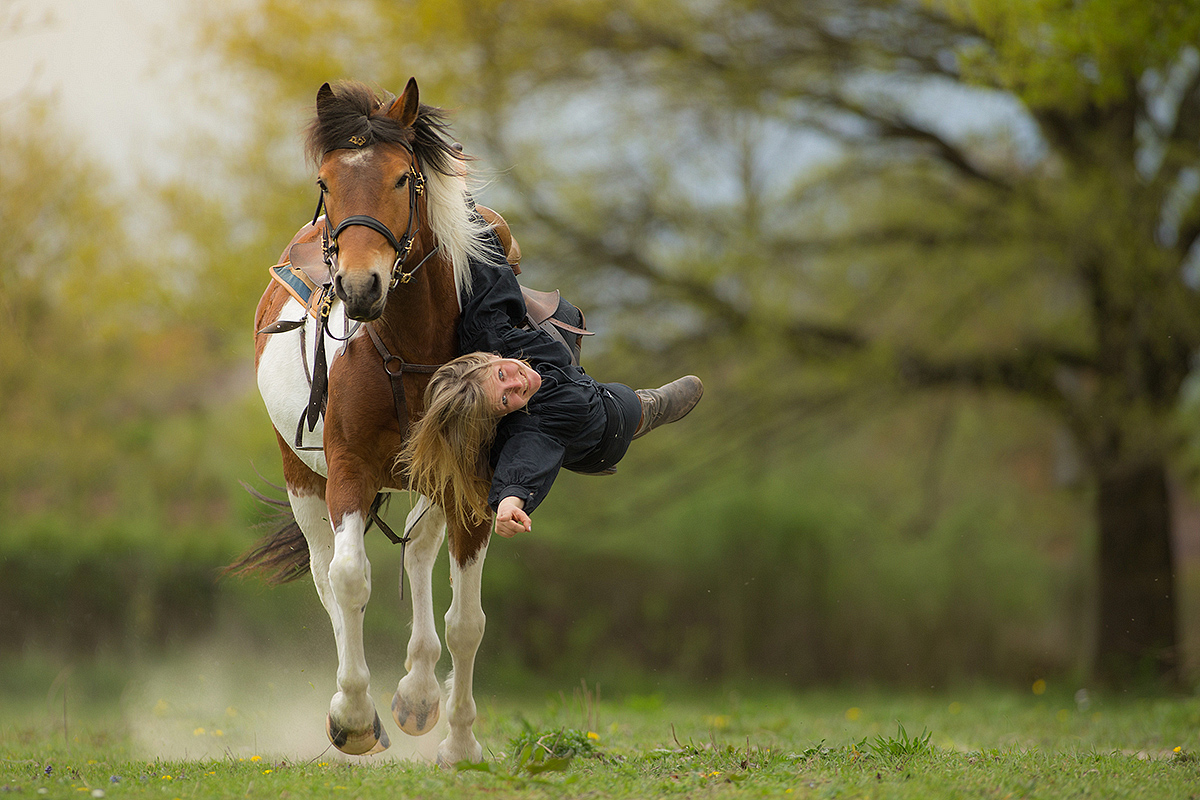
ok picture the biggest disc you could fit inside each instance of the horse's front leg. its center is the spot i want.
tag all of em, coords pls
(307, 494)
(353, 725)
(464, 631)
(416, 704)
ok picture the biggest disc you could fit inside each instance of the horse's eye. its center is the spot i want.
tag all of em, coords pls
(403, 180)
(321, 185)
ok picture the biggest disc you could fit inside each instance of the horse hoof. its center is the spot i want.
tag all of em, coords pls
(415, 719)
(358, 743)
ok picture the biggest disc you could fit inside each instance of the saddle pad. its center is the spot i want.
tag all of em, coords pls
(297, 280)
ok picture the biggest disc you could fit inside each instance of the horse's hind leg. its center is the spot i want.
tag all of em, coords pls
(416, 704)
(464, 631)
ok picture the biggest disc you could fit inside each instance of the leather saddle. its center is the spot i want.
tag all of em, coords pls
(306, 277)
(557, 317)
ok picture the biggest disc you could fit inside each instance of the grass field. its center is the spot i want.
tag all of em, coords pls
(187, 734)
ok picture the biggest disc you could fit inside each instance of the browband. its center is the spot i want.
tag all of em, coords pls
(364, 139)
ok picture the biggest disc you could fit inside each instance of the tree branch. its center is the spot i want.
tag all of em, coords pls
(1029, 369)
(895, 127)
(809, 336)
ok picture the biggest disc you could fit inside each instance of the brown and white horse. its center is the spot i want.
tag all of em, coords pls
(398, 230)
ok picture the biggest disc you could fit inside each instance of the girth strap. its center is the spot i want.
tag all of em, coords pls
(403, 541)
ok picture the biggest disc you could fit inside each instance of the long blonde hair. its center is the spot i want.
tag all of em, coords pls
(446, 455)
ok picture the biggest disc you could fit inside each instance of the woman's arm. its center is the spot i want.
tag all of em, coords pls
(525, 460)
(493, 319)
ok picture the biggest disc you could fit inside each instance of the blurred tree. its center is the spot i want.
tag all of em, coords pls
(123, 414)
(69, 295)
(112, 364)
(914, 194)
(1045, 246)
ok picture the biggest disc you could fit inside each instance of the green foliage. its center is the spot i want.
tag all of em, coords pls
(126, 423)
(106, 591)
(900, 746)
(117, 409)
(533, 749)
(1066, 56)
(537, 753)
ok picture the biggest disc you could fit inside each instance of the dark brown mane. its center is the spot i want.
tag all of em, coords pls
(360, 112)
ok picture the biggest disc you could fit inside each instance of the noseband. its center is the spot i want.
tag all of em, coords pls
(402, 246)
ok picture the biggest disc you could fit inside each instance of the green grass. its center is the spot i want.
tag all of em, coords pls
(689, 743)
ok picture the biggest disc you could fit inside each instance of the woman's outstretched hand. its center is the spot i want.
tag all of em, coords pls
(511, 518)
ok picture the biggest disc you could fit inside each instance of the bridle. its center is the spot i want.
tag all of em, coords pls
(402, 246)
(393, 365)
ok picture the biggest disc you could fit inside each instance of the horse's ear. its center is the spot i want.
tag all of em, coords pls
(405, 107)
(325, 100)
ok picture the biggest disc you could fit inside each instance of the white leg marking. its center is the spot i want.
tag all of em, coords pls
(415, 706)
(464, 631)
(350, 579)
(346, 709)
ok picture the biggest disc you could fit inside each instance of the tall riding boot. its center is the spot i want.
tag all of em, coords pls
(668, 403)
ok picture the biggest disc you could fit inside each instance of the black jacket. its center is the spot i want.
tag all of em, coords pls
(565, 419)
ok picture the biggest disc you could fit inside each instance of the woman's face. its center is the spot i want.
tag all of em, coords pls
(510, 383)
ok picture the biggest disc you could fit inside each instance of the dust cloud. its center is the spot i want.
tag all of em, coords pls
(211, 703)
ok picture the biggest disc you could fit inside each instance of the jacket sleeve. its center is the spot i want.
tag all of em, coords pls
(527, 460)
(493, 313)
(493, 319)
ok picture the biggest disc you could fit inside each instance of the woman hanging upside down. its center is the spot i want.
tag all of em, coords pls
(472, 447)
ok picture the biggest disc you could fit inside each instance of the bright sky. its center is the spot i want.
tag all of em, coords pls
(114, 65)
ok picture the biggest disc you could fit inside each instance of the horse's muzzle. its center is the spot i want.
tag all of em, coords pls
(362, 292)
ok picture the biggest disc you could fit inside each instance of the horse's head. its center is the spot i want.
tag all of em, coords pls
(370, 185)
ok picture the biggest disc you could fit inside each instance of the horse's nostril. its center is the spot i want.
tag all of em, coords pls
(337, 287)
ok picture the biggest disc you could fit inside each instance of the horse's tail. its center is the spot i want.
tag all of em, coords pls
(282, 555)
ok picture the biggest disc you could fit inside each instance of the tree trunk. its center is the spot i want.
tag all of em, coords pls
(1137, 628)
